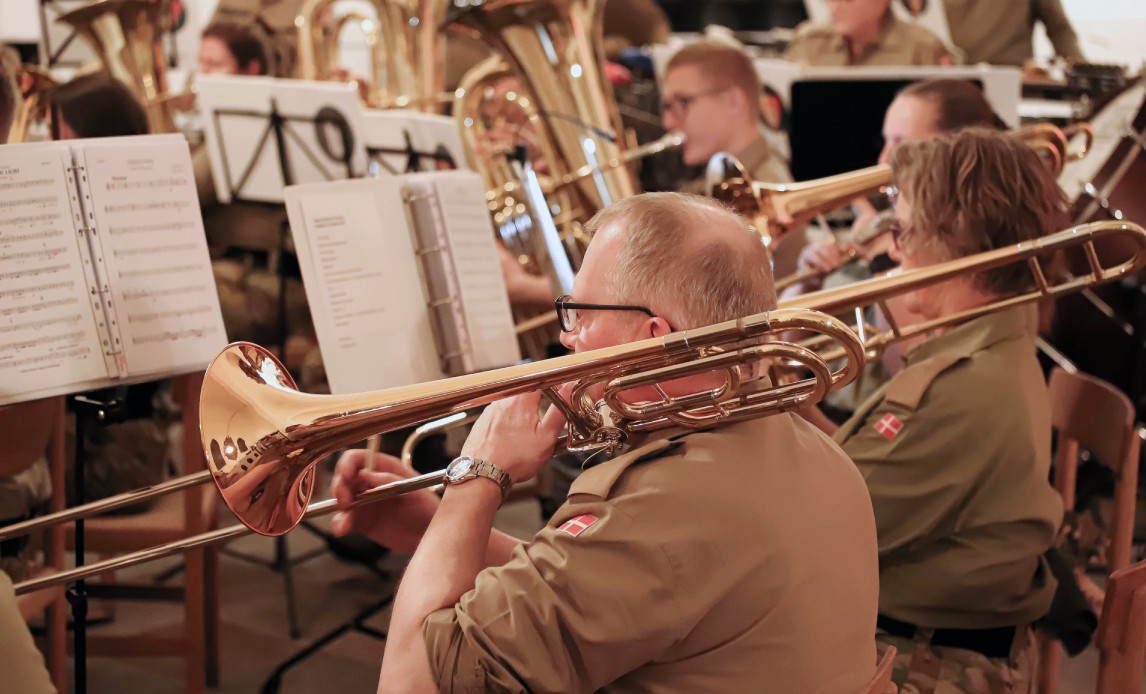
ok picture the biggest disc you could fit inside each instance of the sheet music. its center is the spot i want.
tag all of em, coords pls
(48, 332)
(362, 284)
(487, 320)
(154, 250)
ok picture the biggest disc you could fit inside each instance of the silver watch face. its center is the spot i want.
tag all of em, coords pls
(459, 468)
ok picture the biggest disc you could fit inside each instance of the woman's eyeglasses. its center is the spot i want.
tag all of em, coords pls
(567, 310)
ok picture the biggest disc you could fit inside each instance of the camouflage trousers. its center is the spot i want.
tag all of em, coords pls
(921, 668)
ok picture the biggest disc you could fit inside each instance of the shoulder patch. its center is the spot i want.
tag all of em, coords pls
(908, 388)
(578, 524)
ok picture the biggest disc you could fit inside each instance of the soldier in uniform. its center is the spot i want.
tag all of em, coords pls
(865, 32)
(711, 94)
(722, 560)
(955, 449)
(1011, 23)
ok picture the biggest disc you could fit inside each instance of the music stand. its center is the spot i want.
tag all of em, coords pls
(264, 134)
(399, 141)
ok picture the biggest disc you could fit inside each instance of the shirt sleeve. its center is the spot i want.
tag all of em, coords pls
(1058, 27)
(567, 613)
(919, 474)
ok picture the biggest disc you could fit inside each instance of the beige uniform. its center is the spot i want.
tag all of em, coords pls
(723, 561)
(955, 450)
(1011, 22)
(899, 43)
(759, 161)
(21, 665)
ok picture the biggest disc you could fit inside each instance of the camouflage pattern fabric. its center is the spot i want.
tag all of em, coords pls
(923, 669)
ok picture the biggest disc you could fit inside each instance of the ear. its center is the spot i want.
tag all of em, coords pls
(659, 327)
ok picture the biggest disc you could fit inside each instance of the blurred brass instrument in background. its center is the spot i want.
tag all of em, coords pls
(127, 35)
(407, 51)
(1054, 143)
(857, 298)
(252, 416)
(35, 86)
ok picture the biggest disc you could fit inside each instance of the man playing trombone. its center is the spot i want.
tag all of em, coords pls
(956, 448)
(713, 560)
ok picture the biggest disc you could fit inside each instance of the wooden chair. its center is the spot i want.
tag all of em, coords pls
(1091, 414)
(1121, 636)
(170, 518)
(881, 681)
(29, 430)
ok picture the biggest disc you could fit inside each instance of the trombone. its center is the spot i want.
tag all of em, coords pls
(263, 438)
(247, 392)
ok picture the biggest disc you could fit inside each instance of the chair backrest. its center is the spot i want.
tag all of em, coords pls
(25, 430)
(1121, 636)
(1090, 413)
(881, 680)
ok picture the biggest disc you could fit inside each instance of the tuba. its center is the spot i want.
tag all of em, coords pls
(406, 50)
(554, 48)
(126, 35)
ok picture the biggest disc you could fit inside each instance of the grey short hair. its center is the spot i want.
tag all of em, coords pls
(689, 259)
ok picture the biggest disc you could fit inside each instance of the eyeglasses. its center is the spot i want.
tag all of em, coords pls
(679, 105)
(898, 233)
(567, 310)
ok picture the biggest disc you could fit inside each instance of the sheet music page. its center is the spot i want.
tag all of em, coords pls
(362, 283)
(48, 333)
(154, 250)
(477, 269)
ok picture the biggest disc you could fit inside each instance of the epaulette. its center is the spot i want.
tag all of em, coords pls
(598, 481)
(909, 387)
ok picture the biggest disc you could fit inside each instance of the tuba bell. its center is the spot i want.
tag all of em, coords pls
(126, 36)
(407, 54)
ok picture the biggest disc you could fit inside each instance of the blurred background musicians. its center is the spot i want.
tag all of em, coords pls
(865, 32)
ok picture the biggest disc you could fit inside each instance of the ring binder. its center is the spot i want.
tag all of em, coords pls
(71, 292)
(430, 232)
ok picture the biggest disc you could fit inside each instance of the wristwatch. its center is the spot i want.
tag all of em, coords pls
(466, 468)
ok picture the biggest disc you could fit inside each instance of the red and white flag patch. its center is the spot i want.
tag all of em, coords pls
(889, 426)
(577, 525)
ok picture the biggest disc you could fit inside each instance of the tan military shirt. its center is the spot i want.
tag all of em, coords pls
(899, 43)
(21, 665)
(1011, 24)
(955, 450)
(737, 560)
(758, 159)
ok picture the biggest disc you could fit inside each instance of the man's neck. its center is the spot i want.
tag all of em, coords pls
(864, 36)
(742, 139)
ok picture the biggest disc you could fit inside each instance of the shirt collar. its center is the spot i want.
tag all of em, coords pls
(980, 333)
(886, 26)
(754, 155)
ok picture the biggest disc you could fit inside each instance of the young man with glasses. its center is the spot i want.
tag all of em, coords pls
(711, 94)
(727, 560)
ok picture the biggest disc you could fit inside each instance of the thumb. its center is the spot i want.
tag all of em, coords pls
(342, 523)
(552, 422)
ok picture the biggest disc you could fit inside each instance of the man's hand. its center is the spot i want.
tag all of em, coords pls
(397, 523)
(513, 435)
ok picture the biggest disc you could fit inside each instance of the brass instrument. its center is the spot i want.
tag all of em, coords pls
(554, 48)
(34, 85)
(856, 298)
(126, 35)
(407, 55)
(778, 208)
(1055, 143)
(290, 421)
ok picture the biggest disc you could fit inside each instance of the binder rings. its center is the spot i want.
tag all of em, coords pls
(104, 272)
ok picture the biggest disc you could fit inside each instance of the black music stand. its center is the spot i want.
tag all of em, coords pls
(335, 140)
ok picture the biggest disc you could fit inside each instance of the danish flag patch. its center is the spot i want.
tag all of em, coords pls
(889, 426)
(577, 525)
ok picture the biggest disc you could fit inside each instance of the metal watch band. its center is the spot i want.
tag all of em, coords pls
(484, 468)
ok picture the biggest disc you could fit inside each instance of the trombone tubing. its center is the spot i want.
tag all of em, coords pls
(111, 503)
(231, 532)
